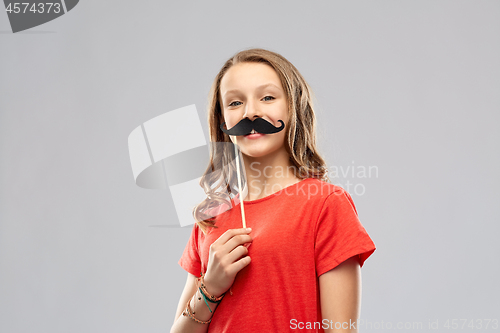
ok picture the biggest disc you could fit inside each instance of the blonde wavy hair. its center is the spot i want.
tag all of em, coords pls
(300, 138)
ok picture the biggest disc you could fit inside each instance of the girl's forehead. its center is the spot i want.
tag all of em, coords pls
(247, 75)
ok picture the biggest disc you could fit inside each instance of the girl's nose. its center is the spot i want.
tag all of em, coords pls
(252, 111)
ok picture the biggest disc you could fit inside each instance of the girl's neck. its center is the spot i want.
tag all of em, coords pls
(268, 174)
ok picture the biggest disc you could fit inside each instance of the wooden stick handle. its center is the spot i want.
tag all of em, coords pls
(239, 182)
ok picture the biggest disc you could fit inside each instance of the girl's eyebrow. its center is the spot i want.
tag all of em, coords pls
(258, 88)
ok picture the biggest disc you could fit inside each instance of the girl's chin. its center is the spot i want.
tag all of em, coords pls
(256, 153)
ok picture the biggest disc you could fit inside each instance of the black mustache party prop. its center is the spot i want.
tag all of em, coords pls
(245, 126)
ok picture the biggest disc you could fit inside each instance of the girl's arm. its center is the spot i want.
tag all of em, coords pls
(186, 324)
(227, 256)
(340, 294)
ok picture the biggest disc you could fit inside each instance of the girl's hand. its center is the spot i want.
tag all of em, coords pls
(224, 260)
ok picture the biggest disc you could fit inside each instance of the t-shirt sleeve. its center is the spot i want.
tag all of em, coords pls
(190, 259)
(339, 234)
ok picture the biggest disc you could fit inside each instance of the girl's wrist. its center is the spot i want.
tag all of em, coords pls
(211, 289)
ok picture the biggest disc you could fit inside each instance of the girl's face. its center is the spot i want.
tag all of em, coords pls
(254, 90)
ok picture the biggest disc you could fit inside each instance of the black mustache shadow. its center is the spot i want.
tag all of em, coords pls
(245, 126)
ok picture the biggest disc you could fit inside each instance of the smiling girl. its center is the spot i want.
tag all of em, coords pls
(299, 268)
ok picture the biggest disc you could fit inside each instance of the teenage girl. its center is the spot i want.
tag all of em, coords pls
(299, 267)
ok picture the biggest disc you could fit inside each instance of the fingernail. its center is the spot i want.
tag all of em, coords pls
(249, 229)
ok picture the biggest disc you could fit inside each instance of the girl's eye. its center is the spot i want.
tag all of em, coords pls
(233, 103)
(269, 96)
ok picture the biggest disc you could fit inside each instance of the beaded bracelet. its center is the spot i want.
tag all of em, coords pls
(187, 312)
(205, 298)
(206, 295)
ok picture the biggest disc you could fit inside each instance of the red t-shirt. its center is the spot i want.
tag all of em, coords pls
(299, 233)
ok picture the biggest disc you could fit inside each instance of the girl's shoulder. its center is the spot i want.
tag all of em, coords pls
(313, 192)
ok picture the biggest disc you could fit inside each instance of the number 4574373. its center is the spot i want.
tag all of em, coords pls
(35, 8)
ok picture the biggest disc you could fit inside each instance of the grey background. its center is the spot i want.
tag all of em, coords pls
(410, 87)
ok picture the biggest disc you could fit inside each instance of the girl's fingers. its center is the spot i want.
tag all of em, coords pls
(237, 241)
(230, 233)
(237, 266)
(237, 253)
